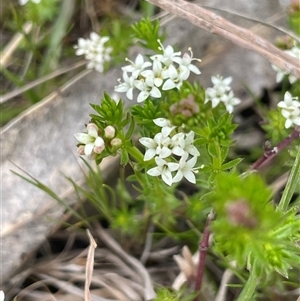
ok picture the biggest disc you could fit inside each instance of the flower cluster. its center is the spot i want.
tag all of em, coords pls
(221, 93)
(164, 146)
(294, 52)
(164, 73)
(290, 109)
(91, 143)
(94, 51)
(23, 2)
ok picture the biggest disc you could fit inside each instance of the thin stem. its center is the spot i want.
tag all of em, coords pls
(249, 289)
(270, 154)
(203, 247)
(292, 183)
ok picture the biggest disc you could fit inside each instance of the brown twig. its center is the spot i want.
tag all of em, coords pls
(242, 37)
(203, 247)
(270, 154)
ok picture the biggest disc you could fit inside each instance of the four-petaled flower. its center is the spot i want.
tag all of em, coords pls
(163, 169)
(94, 51)
(290, 110)
(91, 141)
(221, 93)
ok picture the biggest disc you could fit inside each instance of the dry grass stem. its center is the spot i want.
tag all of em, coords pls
(149, 292)
(89, 267)
(13, 45)
(41, 80)
(244, 38)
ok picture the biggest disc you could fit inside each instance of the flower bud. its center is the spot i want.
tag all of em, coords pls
(99, 145)
(109, 132)
(116, 142)
(239, 213)
(92, 126)
(80, 150)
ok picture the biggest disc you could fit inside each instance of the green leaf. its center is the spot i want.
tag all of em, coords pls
(292, 183)
(231, 163)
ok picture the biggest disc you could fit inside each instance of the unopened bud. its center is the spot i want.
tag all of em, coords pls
(240, 214)
(80, 150)
(116, 142)
(92, 126)
(99, 145)
(109, 132)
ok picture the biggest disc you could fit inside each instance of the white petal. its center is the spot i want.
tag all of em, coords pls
(178, 177)
(148, 142)
(288, 123)
(149, 154)
(88, 149)
(155, 171)
(190, 176)
(83, 138)
(168, 85)
(167, 177)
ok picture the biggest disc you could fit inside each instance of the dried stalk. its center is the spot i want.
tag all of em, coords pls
(41, 80)
(244, 38)
(89, 267)
(149, 292)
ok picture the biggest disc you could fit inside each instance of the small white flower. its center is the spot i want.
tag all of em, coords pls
(189, 147)
(220, 84)
(230, 101)
(146, 90)
(137, 67)
(23, 2)
(290, 110)
(127, 86)
(163, 169)
(94, 51)
(186, 169)
(186, 66)
(174, 80)
(2, 296)
(221, 92)
(294, 52)
(168, 56)
(93, 143)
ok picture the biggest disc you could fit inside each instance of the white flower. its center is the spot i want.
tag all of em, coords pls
(186, 66)
(168, 56)
(230, 101)
(174, 80)
(23, 2)
(93, 143)
(94, 51)
(188, 144)
(163, 169)
(147, 89)
(220, 84)
(2, 296)
(294, 52)
(186, 169)
(127, 86)
(290, 110)
(136, 67)
(221, 92)
(156, 146)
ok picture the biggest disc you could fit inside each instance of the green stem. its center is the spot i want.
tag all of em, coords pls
(249, 289)
(292, 183)
(136, 154)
